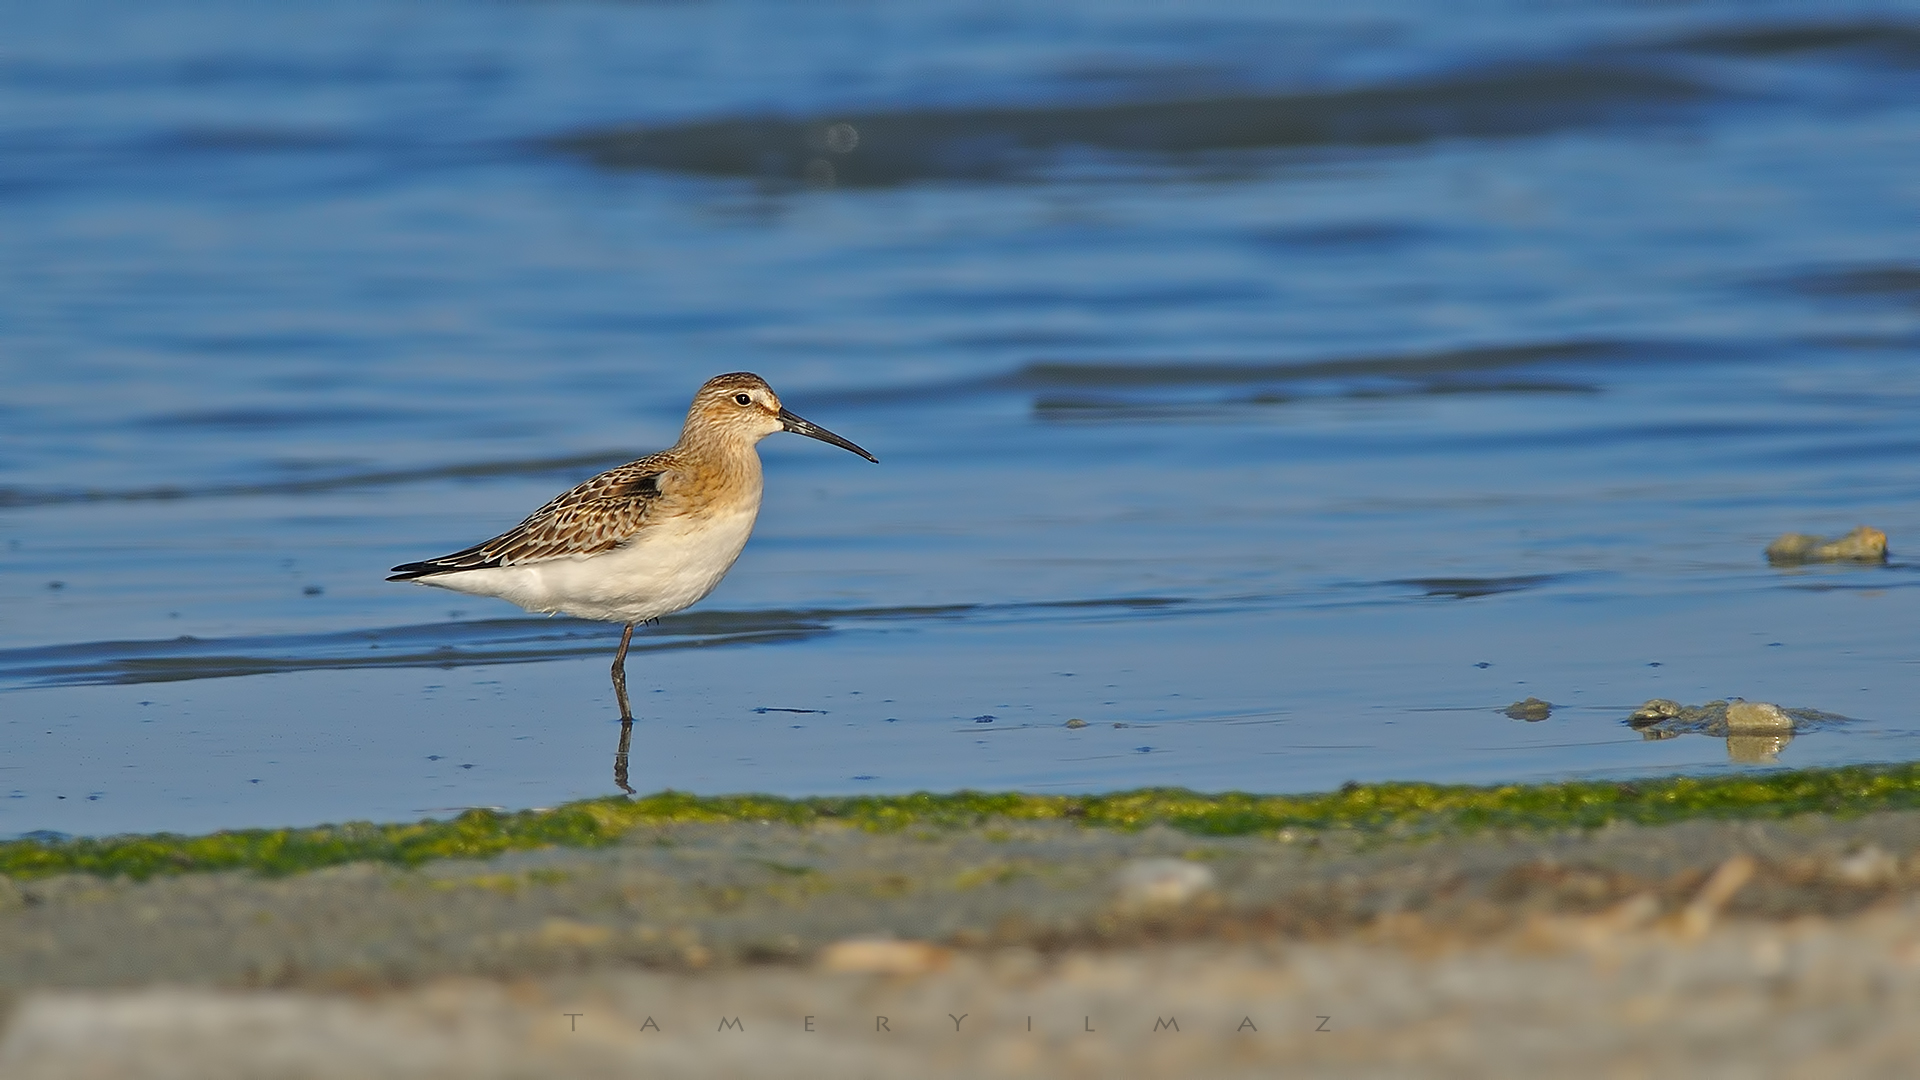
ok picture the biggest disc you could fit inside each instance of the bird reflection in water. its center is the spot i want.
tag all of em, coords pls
(620, 756)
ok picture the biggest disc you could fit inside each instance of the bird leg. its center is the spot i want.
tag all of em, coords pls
(620, 675)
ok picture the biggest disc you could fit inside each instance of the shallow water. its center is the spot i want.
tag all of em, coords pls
(1284, 393)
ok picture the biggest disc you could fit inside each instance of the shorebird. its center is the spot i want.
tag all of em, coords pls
(645, 539)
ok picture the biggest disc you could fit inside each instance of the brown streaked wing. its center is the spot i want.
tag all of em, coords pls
(585, 520)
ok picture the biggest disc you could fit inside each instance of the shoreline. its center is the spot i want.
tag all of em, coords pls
(1393, 808)
(1440, 937)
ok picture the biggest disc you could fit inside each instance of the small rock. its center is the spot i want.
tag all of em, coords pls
(1871, 865)
(1756, 731)
(1729, 878)
(1655, 711)
(568, 933)
(1863, 544)
(1632, 913)
(1076, 723)
(1162, 883)
(884, 956)
(1757, 718)
(1532, 710)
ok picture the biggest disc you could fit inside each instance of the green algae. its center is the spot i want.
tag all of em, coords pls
(1390, 808)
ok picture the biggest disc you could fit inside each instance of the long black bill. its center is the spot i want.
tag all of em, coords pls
(814, 431)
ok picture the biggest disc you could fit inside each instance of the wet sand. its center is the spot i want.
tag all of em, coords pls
(1787, 947)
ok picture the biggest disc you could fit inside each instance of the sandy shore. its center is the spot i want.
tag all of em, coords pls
(1705, 948)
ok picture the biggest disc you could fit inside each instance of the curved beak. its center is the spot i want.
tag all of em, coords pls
(814, 431)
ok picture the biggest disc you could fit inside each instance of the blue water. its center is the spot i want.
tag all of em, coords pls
(1285, 390)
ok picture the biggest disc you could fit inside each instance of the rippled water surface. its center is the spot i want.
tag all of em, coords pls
(1283, 390)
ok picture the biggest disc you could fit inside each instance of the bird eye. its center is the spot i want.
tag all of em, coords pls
(744, 399)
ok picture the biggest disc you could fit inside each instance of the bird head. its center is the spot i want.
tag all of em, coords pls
(741, 406)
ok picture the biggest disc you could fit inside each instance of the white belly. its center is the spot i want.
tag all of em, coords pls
(669, 566)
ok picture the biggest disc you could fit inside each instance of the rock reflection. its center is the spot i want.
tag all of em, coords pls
(1756, 749)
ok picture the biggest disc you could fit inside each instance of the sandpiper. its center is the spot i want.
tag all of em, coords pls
(643, 540)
